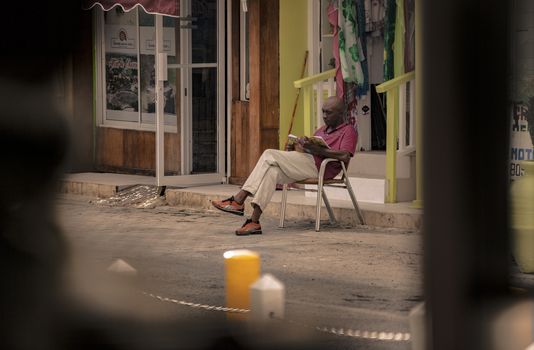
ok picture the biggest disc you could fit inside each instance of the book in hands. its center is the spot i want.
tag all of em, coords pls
(317, 140)
(292, 139)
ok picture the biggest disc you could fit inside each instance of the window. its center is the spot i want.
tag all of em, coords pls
(126, 84)
(327, 60)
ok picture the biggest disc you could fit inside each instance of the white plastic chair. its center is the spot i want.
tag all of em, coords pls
(342, 182)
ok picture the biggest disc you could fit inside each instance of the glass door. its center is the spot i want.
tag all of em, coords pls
(190, 84)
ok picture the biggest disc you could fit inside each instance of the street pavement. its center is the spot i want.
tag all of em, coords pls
(358, 281)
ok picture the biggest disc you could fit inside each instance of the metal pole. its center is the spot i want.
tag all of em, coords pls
(160, 103)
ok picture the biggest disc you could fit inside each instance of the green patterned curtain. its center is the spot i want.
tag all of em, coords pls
(389, 39)
(398, 45)
(351, 52)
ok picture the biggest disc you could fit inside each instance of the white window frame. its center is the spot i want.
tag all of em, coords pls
(244, 67)
(314, 36)
(100, 81)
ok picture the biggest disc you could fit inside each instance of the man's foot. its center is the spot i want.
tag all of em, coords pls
(229, 205)
(249, 228)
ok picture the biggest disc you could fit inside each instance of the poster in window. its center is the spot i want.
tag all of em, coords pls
(121, 82)
(122, 70)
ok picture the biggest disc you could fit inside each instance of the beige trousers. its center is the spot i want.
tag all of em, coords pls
(278, 167)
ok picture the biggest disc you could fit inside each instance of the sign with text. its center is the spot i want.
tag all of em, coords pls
(148, 40)
(521, 147)
(121, 39)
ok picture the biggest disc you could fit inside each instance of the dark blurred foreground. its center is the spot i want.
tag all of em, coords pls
(37, 310)
(466, 140)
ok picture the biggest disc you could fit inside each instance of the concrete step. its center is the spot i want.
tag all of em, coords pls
(367, 173)
(370, 189)
(373, 164)
(300, 206)
(366, 189)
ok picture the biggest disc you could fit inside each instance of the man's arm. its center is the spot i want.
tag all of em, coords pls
(324, 152)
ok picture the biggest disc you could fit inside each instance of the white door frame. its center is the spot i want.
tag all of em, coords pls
(185, 180)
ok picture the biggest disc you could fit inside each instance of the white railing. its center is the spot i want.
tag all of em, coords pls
(407, 117)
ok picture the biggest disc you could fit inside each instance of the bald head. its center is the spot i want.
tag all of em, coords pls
(334, 103)
(333, 111)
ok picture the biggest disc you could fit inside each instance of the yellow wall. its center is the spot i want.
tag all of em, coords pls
(293, 46)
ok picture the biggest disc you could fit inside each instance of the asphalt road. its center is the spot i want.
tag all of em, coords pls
(363, 280)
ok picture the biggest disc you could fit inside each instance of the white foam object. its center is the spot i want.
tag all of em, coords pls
(122, 267)
(417, 326)
(267, 296)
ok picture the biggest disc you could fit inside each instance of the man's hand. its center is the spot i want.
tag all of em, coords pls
(299, 148)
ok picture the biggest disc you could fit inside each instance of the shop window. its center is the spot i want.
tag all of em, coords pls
(126, 83)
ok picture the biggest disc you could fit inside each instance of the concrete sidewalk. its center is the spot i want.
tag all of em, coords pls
(300, 206)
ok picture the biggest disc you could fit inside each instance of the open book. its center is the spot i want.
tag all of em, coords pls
(318, 140)
(292, 139)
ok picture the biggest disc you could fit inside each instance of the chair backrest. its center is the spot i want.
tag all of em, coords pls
(346, 167)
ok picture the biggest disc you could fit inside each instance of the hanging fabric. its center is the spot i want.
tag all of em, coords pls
(375, 11)
(353, 53)
(398, 45)
(389, 39)
(332, 12)
(362, 88)
(409, 38)
(355, 91)
(350, 45)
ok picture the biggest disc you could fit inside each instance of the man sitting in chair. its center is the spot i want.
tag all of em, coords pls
(300, 161)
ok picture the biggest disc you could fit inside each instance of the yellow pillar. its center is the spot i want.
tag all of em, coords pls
(391, 144)
(242, 268)
(308, 110)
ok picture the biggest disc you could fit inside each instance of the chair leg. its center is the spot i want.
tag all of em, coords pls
(318, 205)
(354, 201)
(283, 206)
(329, 208)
